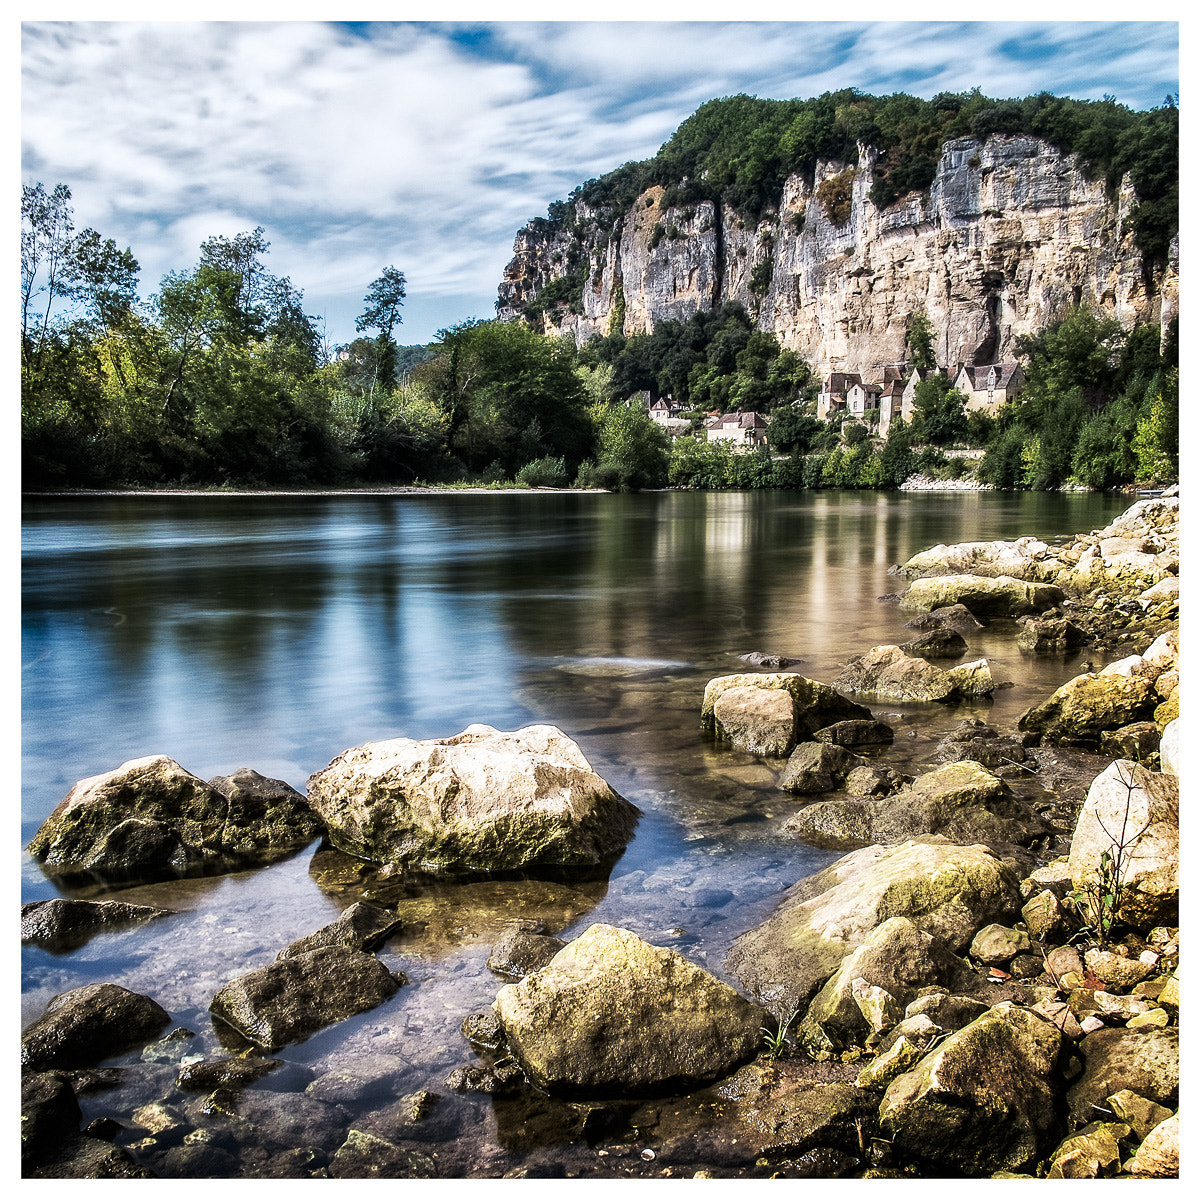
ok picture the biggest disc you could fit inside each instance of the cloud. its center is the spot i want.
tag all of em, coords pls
(427, 145)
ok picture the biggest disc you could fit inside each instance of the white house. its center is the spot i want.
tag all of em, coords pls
(743, 430)
(990, 385)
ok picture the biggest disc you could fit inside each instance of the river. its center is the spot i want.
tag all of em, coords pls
(275, 631)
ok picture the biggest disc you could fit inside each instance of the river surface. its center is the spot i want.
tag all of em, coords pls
(275, 632)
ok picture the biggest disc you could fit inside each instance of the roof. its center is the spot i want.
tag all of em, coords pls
(839, 381)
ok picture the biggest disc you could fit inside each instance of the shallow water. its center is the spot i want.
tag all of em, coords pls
(274, 632)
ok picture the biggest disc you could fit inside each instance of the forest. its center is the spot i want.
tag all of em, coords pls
(220, 379)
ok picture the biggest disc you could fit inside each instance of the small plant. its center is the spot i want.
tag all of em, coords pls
(775, 1041)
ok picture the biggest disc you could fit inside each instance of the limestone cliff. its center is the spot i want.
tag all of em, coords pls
(1010, 233)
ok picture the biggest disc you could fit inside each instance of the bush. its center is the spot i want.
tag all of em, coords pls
(543, 472)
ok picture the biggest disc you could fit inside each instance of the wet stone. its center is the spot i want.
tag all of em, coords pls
(483, 1030)
(61, 925)
(365, 1156)
(90, 1023)
(362, 926)
(520, 951)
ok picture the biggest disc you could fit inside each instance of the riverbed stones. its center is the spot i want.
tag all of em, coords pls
(946, 890)
(150, 819)
(363, 1155)
(89, 1023)
(939, 642)
(482, 800)
(1158, 1156)
(871, 987)
(1145, 1061)
(984, 1100)
(856, 733)
(973, 739)
(1077, 713)
(1054, 635)
(1132, 814)
(815, 767)
(294, 997)
(61, 925)
(814, 705)
(611, 1015)
(983, 596)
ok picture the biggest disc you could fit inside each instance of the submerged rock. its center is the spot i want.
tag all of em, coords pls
(50, 1116)
(939, 642)
(150, 819)
(946, 890)
(521, 950)
(612, 1014)
(856, 733)
(61, 925)
(294, 997)
(89, 1023)
(362, 926)
(816, 767)
(480, 801)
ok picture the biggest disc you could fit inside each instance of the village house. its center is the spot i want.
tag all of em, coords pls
(833, 392)
(666, 412)
(891, 403)
(743, 430)
(989, 386)
(862, 400)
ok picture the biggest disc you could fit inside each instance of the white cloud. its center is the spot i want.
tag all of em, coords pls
(411, 146)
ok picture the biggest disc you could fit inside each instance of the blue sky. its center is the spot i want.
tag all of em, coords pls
(427, 145)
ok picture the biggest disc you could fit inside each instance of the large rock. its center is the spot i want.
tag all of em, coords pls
(815, 767)
(1143, 1060)
(985, 596)
(362, 926)
(294, 997)
(961, 801)
(50, 1116)
(1026, 558)
(1158, 1156)
(981, 743)
(480, 801)
(611, 1015)
(1050, 636)
(758, 722)
(946, 890)
(898, 958)
(938, 642)
(61, 925)
(1132, 814)
(984, 1100)
(151, 819)
(887, 673)
(86, 1024)
(1088, 705)
(856, 733)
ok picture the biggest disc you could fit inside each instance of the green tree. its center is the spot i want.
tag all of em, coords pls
(919, 341)
(633, 450)
(383, 301)
(939, 411)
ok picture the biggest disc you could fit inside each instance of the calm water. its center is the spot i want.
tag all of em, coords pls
(274, 632)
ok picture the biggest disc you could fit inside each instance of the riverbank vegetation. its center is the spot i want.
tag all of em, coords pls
(220, 378)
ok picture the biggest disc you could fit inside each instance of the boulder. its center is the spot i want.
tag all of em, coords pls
(1168, 749)
(89, 1023)
(49, 1116)
(856, 733)
(946, 890)
(294, 997)
(984, 1100)
(362, 926)
(972, 679)
(899, 959)
(1050, 636)
(364, 1156)
(803, 1119)
(1140, 1114)
(960, 801)
(814, 705)
(1131, 814)
(757, 720)
(815, 767)
(1158, 1156)
(954, 616)
(61, 925)
(1163, 652)
(1084, 707)
(1137, 741)
(521, 951)
(1144, 1060)
(231, 1074)
(613, 1015)
(984, 596)
(981, 743)
(995, 945)
(887, 673)
(150, 819)
(1091, 1153)
(870, 780)
(480, 801)
(1026, 558)
(939, 642)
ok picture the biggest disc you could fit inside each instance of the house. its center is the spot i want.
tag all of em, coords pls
(989, 386)
(743, 430)
(891, 403)
(862, 400)
(833, 392)
(665, 412)
(904, 410)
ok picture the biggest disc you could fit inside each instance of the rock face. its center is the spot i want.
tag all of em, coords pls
(1128, 804)
(984, 1100)
(768, 714)
(294, 997)
(480, 801)
(61, 925)
(151, 819)
(1009, 233)
(612, 1014)
(946, 890)
(89, 1023)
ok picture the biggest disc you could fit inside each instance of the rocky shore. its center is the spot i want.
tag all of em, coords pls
(984, 984)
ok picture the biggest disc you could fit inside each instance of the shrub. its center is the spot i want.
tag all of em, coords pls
(543, 472)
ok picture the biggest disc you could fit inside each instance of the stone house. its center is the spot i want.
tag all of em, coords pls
(665, 412)
(862, 401)
(989, 386)
(833, 392)
(743, 430)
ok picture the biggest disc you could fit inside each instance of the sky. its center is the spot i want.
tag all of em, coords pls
(426, 145)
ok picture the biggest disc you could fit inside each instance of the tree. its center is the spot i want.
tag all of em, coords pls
(939, 411)
(383, 300)
(919, 340)
(633, 449)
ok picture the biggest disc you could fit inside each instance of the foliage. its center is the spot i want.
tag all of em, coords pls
(835, 195)
(939, 411)
(919, 340)
(632, 449)
(776, 1041)
(543, 472)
